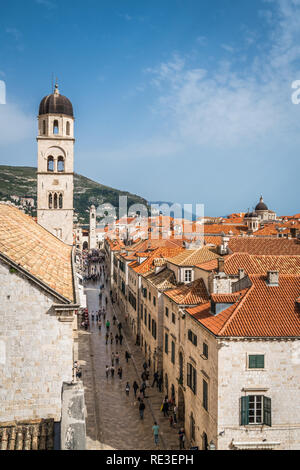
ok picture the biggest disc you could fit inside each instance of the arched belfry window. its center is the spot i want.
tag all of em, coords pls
(68, 128)
(55, 127)
(44, 127)
(60, 164)
(50, 199)
(60, 201)
(55, 201)
(50, 164)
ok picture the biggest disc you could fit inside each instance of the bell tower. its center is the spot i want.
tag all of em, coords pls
(55, 142)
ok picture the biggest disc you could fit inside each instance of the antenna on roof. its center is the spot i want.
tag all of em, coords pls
(52, 78)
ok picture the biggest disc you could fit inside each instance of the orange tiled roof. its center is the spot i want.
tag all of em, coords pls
(36, 250)
(193, 257)
(263, 311)
(189, 294)
(264, 246)
(256, 264)
(148, 265)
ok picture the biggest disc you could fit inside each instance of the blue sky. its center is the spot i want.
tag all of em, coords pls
(179, 100)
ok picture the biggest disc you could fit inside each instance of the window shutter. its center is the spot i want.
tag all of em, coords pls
(267, 411)
(244, 408)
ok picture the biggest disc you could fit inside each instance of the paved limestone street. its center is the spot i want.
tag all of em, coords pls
(113, 419)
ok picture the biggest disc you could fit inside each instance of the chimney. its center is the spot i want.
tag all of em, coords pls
(273, 278)
(241, 273)
(220, 265)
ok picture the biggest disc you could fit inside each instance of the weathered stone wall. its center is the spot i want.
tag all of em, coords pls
(279, 380)
(36, 350)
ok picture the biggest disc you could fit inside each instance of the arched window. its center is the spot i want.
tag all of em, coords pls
(50, 200)
(68, 128)
(60, 164)
(166, 383)
(60, 201)
(50, 164)
(44, 127)
(173, 392)
(55, 127)
(55, 201)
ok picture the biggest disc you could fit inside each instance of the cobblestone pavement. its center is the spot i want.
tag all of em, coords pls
(113, 419)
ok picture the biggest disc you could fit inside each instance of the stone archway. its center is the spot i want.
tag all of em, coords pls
(181, 406)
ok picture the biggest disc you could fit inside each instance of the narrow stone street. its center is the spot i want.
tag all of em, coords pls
(113, 419)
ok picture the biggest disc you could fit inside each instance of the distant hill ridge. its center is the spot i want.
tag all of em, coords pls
(22, 181)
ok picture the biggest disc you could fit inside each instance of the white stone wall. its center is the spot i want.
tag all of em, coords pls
(36, 351)
(279, 380)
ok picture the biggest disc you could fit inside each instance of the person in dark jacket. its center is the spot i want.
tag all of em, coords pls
(142, 409)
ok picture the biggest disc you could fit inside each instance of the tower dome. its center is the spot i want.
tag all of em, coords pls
(261, 206)
(56, 104)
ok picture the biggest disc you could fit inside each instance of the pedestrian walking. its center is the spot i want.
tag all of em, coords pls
(181, 435)
(106, 338)
(127, 356)
(107, 325)
(120, 338)
(114, 319)
(165, 406)
(160, 382)
(117, 338)
(93, 316)
(142, 409)
(99, 325)
(120, 373)
(112, 358)
(107, 371)
(175, 413)
(155, 429)
(117, 357)
(111, 338)
(145, 366)
(155, 379)
(171, 421)
(112, 371)
(127, 388)
(120, 327)
(135, 387)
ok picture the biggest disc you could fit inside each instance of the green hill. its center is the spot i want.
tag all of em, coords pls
(21, 181)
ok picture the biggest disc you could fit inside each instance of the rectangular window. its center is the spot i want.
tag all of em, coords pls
(205, 395)
(154, 300)
(188, 275)
(145, 317)
(192, 337)
(173, 353)
(256, 361)
(166, 343)
(191, 377)
(173, 317)
(149, 322)
(154, 329)
(255, 409)
(149, 295)
(205, 350)
(167, 312)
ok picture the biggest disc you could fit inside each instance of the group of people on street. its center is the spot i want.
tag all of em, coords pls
(168, 407)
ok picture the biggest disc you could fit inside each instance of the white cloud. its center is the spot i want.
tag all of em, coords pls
(46, 3)
(15, 125)
(231, 107)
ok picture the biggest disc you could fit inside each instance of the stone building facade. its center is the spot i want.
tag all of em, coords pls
(56, 166)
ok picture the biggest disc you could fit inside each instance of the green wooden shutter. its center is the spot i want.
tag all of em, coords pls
(244, 408)
(256, 361)
(267, 411)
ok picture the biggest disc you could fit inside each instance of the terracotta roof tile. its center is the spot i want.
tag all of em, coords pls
(264, 246)
(36, 250)
(189, 294)
(193, 257)
(263, 311)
